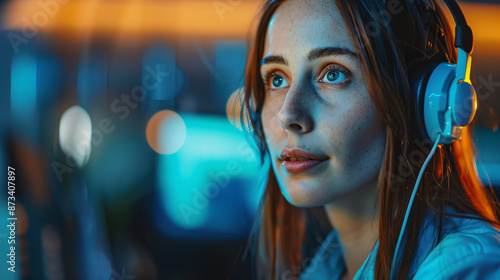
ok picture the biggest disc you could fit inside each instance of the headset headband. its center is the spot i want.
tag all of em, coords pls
(463, 33)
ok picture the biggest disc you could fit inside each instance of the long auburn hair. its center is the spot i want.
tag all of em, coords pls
(284, 237)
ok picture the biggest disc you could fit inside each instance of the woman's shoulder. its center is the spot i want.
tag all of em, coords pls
(470, 252)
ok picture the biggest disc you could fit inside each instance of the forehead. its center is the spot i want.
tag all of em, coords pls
(305, 24)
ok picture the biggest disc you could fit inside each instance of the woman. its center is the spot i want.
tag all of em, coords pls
(329, 101)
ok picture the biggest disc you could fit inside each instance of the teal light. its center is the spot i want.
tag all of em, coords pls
(488, 161)
(213, 175)
(23, 94)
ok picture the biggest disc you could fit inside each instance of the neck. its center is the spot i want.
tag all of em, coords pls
(355, 218)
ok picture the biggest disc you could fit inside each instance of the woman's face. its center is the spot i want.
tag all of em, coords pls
(317, 101)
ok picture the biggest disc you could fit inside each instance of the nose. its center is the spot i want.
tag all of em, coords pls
(296, 113)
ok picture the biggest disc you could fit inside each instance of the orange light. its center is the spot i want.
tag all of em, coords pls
(483, 20)
(144, 17)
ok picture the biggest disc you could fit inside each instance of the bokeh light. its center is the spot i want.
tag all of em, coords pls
(166, 132)
(233, 108)
(75, 133)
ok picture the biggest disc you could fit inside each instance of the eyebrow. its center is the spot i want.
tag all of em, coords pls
(322, 52)
(313, 54)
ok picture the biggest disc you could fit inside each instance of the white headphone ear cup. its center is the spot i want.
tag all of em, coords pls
(435, 101)
(464, 104)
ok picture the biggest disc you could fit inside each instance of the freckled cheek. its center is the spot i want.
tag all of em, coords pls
(361, 117)
(333, 128)
(361, 125)
(347, 127)
(337, 125)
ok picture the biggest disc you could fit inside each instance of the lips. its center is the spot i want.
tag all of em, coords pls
(296, 160)
(294, 154)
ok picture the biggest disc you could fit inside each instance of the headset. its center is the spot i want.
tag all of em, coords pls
(444, 101)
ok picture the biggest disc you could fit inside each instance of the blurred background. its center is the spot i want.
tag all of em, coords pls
(119, 119)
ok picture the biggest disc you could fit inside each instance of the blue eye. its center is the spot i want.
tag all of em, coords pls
(334, 76)
(278, 82)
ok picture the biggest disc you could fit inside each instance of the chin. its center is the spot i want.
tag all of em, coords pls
(301, 196)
